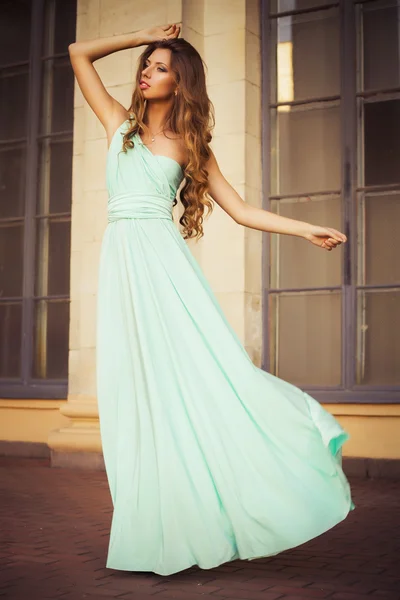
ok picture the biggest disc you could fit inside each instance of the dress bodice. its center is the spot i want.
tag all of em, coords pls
(140, 184)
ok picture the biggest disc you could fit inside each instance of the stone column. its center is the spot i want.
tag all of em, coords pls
(227, 36)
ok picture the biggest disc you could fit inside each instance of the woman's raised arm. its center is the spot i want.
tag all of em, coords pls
(83, 54)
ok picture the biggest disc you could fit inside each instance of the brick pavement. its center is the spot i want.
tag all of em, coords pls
(54, 535)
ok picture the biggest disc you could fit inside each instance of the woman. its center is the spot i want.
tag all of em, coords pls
(208, 457)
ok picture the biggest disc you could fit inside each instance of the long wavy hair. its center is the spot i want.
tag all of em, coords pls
(191, 118)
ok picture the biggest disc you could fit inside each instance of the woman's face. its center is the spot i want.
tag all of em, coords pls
(157, 80)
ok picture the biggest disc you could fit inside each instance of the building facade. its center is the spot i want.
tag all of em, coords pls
(306, 102)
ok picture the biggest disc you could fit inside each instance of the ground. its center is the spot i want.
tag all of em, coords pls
(54, 526)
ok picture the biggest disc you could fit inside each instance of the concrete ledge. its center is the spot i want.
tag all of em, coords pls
(353, 466)
(371, 468)
(366, 468)
(77, 460)
(24, 449)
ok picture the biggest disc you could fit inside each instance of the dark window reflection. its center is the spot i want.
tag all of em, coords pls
(57, 109)
(382, 142)
(10, 340)
(60, 26)
(64, 26)
(11, 259)
(55, 177)
(15, 31)
(381, 46)
(12, 182)
(51, 340)
(14, 103)
(53, 257)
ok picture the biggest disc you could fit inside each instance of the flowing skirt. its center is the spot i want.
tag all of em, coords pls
(208, 457)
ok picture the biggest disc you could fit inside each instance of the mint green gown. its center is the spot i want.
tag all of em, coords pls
(208, 458)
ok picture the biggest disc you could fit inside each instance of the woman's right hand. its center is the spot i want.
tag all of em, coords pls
(324, 237)
(156, 34)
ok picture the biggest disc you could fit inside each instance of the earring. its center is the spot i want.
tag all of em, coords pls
(176, 92)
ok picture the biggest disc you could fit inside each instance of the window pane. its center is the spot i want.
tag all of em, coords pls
(51, 340)
(382, 142)
(306, 337)
(381, 45)
(306, 153)
(379, 250)
(15, 31)
(378, 338)
(306, 44)
(60, 26)
(14, 98)
(53, 257)
(10, 339)
(57, 107)
(65, 25)
(296, 263)
(287, 5)
(11, 255)
(55, 177)
(12, 182)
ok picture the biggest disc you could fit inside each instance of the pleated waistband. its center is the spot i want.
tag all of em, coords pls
(137, 205)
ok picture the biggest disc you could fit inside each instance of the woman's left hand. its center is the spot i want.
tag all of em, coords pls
(325, 237)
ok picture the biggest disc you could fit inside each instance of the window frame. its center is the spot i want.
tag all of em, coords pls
(26, 386)
(349, 391)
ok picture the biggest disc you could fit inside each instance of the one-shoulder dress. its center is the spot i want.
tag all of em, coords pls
(208, 457)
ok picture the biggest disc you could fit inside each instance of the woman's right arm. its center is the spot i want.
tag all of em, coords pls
(82, 55)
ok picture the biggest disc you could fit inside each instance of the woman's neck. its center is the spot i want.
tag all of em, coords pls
(157, 114)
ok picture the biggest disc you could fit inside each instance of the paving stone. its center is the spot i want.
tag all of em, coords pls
(55, 527)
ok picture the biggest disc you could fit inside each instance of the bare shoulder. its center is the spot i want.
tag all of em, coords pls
(120, 115)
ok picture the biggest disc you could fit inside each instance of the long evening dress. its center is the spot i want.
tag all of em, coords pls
(208, 457)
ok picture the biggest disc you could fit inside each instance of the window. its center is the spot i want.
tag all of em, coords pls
(36, 123)
(331, 96)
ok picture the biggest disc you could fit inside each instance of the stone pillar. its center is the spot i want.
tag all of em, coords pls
(227, 36)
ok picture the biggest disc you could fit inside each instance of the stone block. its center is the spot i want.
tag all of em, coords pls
(225, 57)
